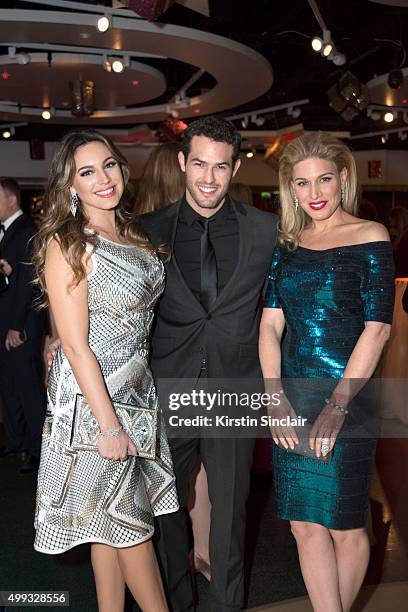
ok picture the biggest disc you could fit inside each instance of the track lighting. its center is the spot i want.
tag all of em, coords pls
(317, 44)
(118, 66)
(389, 117)
(258, 121)
(103, 24)
(294, 112)
(106, 63)
(46, 115)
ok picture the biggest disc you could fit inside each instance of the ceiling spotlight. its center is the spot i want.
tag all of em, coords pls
(327, 49)
(373, 114)
(259, 121)
(244, 122)
(389, 117)
(103, 23)
(384, 138)
(402, 135)
(395, 78)
(317, 44)
(327, 46)
(294, 112)
(23, 58)
(339, 59)
(118, 66)
(6, 134)
(405, 116)
(46, 115)
(250, 154)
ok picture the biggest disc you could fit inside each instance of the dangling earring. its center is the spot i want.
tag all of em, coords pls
(296, 202)
(341, 195)
(74, 203)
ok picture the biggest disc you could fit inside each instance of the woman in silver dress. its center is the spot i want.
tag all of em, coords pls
(101, 278)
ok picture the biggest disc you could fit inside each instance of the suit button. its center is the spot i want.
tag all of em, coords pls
(208, 317)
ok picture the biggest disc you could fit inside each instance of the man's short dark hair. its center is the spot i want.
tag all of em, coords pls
(214, 128)
(10, 185)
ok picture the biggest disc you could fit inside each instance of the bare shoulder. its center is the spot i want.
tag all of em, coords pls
(54, 252)
(372, 231)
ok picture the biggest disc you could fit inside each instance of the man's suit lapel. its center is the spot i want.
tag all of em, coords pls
(164, 232)
(10, 231)
(245, 244)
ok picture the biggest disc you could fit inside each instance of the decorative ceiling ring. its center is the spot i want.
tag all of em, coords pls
(118, 91)
(241, 74)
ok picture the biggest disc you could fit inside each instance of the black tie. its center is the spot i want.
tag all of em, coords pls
(208, 293)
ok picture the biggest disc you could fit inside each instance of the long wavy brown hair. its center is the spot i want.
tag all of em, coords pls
(316, 145)
(162, 181)
(71, 229)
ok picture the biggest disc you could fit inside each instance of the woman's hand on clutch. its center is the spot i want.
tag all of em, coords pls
(283, 433)
(117, 448)
(325, 430)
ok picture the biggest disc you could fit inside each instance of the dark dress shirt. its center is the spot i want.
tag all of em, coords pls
(224, 236)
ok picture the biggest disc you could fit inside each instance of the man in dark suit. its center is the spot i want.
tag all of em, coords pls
(207, 328)
(22, 388)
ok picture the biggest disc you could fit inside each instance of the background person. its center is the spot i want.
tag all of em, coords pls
(162, 182)
(331, 284)
(22, 329)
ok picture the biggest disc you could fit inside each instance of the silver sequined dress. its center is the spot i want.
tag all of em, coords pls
(82, 497)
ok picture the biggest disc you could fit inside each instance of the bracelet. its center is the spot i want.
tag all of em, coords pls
(110, 433)
(342, 409)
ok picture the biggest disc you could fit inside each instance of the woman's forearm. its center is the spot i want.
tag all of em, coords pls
(90, 380)
(270, 359)
(362, 362)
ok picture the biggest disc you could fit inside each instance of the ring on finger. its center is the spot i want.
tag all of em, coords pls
(325, 446)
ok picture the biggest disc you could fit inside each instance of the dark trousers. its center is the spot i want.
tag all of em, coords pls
(228, 464)
(23, 396)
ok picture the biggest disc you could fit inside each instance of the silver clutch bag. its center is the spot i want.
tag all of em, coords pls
(139, 423)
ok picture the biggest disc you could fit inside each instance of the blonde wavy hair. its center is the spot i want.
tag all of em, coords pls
(162, 182)
(70, 230)
(317, 145)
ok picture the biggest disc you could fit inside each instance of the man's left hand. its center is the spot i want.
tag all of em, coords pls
(13, 339)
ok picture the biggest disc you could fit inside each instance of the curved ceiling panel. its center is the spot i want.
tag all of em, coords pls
(241, 74)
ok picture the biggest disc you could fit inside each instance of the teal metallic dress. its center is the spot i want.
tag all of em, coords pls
(326, 296)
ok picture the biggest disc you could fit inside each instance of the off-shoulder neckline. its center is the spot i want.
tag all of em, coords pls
(345, 246)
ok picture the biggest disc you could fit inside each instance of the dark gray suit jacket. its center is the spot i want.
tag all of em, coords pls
(227, 335)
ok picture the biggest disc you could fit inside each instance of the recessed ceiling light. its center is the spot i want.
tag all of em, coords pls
(6, 134)
(46, 115)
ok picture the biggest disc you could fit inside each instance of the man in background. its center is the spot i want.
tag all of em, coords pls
(22, 389)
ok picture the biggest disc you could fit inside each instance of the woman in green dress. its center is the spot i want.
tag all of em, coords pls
(331, 286)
